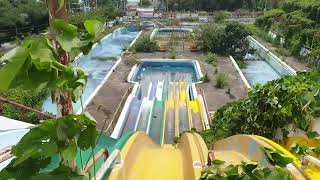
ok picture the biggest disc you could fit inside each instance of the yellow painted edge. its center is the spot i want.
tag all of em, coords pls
(278, 147)
(176, 108)
(310, 172)
(164, 122)
(189, 116)
(302, 141)
(201, 113)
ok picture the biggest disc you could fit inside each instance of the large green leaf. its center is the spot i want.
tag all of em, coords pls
(43, 140)
(71, 151)
(94, 27)
(64, 27)
(88, 138)
(24, 170)
(69, 42)
(276, 158)
(42, 58)
(17, 58)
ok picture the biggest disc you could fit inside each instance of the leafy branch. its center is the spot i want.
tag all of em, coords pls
(61, 137)
(35, 63)
(246, 170)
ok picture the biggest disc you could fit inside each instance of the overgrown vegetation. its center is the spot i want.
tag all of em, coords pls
(221, 80)
(296, 23)
(14, 15)
(246, 170)
(146, 44)
(269, 109)
(228, 40)
(205, 78)
(57, 137)
(300, 151)
(36, 64)
(212, 59)
(213, 5)
(31, 98)
(103, 14)
(131, 61)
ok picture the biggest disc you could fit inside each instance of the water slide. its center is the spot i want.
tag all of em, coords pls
(157, 115)
(142, 158)
(162, 109)
(195, 114)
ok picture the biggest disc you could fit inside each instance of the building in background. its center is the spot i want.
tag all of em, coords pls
(145, 12)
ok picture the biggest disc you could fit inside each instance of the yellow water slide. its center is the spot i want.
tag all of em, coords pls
(141, 158)
(196, 114)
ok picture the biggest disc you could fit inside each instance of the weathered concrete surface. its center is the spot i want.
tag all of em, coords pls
(105, 103)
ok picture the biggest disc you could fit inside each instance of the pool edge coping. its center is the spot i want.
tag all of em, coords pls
(284, 64)
(244, 79)
(197, 69)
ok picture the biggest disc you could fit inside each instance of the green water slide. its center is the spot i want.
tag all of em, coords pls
(156, 127)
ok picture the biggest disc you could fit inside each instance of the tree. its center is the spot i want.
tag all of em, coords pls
(45, 62)
(145, 3)
(229, 40)
(235, 40)
(16, 15)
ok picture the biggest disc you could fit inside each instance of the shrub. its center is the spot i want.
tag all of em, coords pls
(145, 44)
(205, 78)
(229, 40)
(220, 16)
(221, 80)
(172, 54)
(212, 58)
(283, 51)
(290, 100)
(30, 98)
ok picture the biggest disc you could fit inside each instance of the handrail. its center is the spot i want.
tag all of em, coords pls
(205, 104)
(5, 154)
(106, 165)
(21, 106)
(102, 152)
(116, 115)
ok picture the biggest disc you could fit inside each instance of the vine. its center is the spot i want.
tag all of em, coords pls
(292, 100)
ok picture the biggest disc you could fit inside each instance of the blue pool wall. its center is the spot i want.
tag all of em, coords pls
(281, 67)
(272, 60)
(165, 62)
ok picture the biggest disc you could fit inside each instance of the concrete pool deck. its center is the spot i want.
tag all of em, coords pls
(104, 105)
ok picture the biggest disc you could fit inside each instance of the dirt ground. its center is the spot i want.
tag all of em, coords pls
(104, 104)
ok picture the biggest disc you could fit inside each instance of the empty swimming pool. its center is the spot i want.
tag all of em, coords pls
(98, 63)
(166, 69)
(264, 66)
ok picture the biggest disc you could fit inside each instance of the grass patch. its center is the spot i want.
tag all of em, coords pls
(205, 78)
(283, 51)
(212, 58)
(131, 62)
(221, 80)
